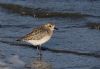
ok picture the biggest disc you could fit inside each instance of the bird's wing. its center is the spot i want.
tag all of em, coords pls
(36, 34)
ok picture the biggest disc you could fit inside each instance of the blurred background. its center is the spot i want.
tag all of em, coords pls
(76, 45)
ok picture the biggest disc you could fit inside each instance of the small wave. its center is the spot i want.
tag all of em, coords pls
(18, 26)
(40, 12)
(17, 43)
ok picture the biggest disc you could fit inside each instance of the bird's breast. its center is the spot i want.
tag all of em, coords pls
(40, 41)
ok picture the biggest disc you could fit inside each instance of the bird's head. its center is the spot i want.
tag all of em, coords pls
(50, 26)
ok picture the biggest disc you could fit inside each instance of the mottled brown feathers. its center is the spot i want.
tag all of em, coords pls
(37, 33)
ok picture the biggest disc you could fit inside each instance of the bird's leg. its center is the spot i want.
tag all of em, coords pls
(39, 51)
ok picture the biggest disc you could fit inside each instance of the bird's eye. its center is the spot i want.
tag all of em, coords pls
(49, 25)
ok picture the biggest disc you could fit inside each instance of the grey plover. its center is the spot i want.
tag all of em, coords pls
(39, 35)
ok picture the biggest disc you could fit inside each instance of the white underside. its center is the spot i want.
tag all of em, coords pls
(38, 42)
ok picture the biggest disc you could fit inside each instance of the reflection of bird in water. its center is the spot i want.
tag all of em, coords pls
(39, 35)
(39, 64)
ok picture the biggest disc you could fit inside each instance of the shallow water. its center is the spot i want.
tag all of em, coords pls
(72, 36)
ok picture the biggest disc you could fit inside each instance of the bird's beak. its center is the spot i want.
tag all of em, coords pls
(56, 28)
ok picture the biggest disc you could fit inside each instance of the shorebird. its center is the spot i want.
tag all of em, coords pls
(39, 35)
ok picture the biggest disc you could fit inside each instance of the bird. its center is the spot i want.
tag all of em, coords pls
(39, 35)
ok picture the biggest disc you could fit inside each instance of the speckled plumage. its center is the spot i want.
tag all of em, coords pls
(39, 35)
